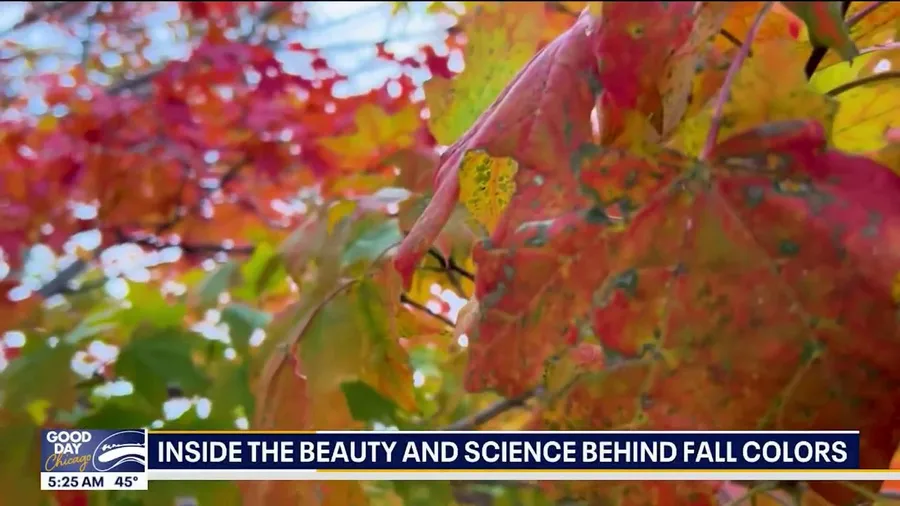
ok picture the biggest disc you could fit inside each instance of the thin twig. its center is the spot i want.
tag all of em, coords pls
(418, 306)
(450, 264)
(725, 91)
(494, 410)
(865, 11)
(874, 78)
(730, 37)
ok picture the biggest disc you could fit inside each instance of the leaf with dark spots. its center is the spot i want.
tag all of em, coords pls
(525, 314)
(739, 315)
(543, 111)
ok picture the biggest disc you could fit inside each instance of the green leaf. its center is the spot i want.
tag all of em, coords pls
(124, 412)
(826, 25)
(242, 320)
(155, 359)
(207, 291)
(42, 372)
(263, 272)
(367, 405)
(20, 463)
(373, 241)
(231, 390)
(86, 328)
(149, 306)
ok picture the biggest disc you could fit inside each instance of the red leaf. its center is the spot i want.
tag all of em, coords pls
(633, 43)
(545, 110)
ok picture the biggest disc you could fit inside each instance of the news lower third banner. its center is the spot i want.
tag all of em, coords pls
(129, 459)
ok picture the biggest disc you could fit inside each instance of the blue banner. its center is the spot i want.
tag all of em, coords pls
(365, 451)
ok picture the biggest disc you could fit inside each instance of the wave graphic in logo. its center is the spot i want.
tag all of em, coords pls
(124, 451)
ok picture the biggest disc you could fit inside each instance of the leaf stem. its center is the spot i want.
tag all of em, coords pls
(874, 78)
(725, 91)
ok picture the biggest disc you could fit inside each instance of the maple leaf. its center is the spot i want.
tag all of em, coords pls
(564, 69)
(811, 227)
(652, 250)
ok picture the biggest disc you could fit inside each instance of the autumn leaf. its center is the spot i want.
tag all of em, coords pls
(871, 24)
(676, 86)
(375, 129)
(502, 40)
(825, 21)
(864, 115)
(557, 80)
(705, 242)
(632, 45)
(599, 246)
(486, 186)
(757, 97)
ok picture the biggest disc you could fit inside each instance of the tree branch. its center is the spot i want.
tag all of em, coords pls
(415, 305)
(491, 412)
(60, 283)
(450, 264)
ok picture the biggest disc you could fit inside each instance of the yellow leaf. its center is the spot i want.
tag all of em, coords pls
(864, 115)
(38, 410)
(829, 78)
(375, 130)
(775, 26)
(46, 123)
(759, 96)
(502, 38)
(338, 212)
(486, 185)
